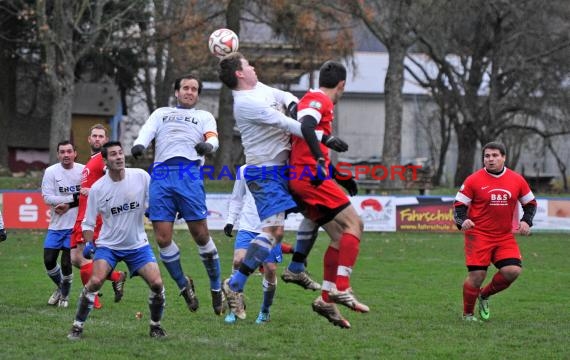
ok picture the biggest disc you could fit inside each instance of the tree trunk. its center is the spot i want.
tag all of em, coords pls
(466, 148)
(225, 156)
(394, 82)
(7, 101)
(60, 122)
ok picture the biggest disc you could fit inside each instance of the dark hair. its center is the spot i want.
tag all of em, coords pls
(105, 148)
(188, 77)
(228, 67)
(100, 127)
(65, 142)
(331, 73)
(495, 145)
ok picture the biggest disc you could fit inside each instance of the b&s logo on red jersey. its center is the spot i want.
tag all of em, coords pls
(25, 211)
(499, 197)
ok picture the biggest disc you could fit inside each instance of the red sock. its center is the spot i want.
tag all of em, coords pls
(470, 295)
(347, 254)
(286, 248)
(85, 272)
(114, 276)
(330, 265)
(498, 283)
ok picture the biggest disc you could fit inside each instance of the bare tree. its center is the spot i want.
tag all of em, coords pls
(499, 64)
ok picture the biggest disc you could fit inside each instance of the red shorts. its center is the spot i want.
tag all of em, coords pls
(320, 203)
(77, 233)
(482, 250)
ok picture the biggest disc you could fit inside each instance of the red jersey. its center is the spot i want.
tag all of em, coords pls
(317, 104)
(93, 171)
(492, 200)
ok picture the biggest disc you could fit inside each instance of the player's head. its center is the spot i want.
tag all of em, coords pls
(494, 155)
(187, 90)
(98, 136)
(332, 75)
(113, 154)
(66, 153)
(236, 72)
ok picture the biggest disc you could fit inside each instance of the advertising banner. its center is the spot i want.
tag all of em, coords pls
(25, 210)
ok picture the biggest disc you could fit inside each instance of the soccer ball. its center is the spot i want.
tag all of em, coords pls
(223, 42)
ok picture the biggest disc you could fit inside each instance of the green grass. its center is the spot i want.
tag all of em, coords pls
(411, 281)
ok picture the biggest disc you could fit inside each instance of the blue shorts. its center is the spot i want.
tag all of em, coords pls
(243, 238)
(58, 239)
(270, 190)
(177, 189)
(135, 259)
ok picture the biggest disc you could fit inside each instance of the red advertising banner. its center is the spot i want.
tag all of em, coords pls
(23, 210)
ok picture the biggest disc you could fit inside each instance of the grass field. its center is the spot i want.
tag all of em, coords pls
(412, 283)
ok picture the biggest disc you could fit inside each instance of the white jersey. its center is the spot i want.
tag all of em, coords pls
(1, 221)
(58, 186)
(122, 205)
(177, 131)
(242, 208)
(265, 130)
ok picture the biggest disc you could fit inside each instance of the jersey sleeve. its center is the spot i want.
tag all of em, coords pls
(149, 129)
(263, 113)
(465, 194)
(236, 201)
(90, 219)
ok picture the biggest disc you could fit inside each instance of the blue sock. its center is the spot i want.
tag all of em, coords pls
(268, 295)
(303, 245)
(211, 261)
(170, 257)
(258, 250)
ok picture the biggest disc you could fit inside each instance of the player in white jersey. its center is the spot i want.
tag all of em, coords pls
(183, 135)
(266, 139)
(242, 210)
(121, 197)
(3, 234)
(60, 190)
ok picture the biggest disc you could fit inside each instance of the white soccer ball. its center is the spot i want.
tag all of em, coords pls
(223, 42)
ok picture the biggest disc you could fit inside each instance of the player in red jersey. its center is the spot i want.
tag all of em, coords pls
(484, 209)
(93, 171)
(323, 201)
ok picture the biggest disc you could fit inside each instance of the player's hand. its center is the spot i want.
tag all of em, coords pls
(84, 191)
(467, 224)
(321, 172)
(204, 148)
(524, 228)
(3, 234)
(349, 184)
(61, 209)
(228, 230)
(334, 143)
(89, 250)
(137, 151)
